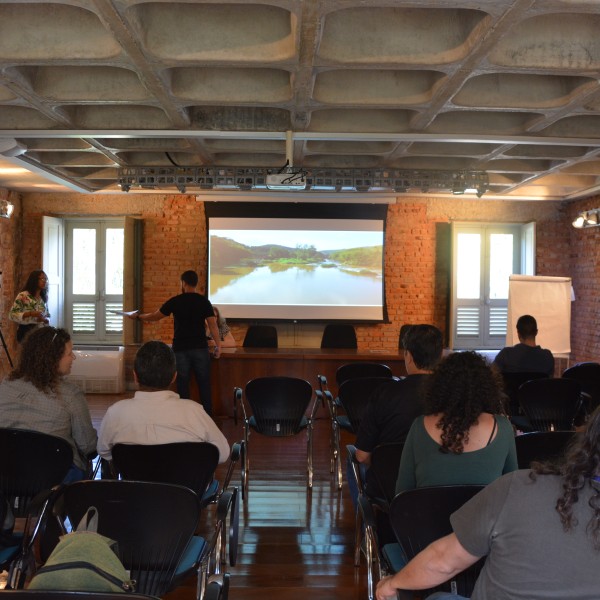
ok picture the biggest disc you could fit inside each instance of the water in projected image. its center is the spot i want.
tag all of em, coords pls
(296, 273)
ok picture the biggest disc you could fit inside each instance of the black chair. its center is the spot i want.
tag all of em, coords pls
(32, 464)
(60, 595)
(352, 370)
(193, 465)
(278, 409)
(38, 461)
(260, 336)
(154, 525)
(550, 404)
(339, 335)
(377, 484)
(383, 472)
(359, 369)
(352, 399)
(542, 446)
(512, 382)
(588, 376)
(419, 517)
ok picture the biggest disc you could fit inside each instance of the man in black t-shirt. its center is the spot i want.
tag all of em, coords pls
(526, 356)
(190, 311)
(394, 406)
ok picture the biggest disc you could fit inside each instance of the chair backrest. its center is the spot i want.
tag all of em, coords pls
(354, 395)
(588, 375)
(542, 446)
(152, 523)
(550, 404)
(419, 517)
(278, 404)
(31, 462)
(385, 463)
(356, 370)
(339, 335)
(260, 336)
(512, 382)
(191, 464)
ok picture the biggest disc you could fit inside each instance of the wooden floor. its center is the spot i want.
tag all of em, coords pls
(294, 543)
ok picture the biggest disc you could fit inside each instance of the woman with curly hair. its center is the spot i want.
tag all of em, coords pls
(538, 528)
(36, 396)
(463, 438)
(29, 309)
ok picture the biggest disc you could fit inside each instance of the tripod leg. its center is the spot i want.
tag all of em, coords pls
(10, 362)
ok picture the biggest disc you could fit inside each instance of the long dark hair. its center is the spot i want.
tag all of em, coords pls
(31, 285)
(578, 470)
(40, 354)
(461, 388)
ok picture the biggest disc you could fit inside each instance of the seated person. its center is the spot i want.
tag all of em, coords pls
(463, 437)
(540, 531)
(393, 406)
(36, 396)
(156, 415)
(526, 356)
(227, 339)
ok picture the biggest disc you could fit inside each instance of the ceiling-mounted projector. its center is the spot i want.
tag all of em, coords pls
(286, 181)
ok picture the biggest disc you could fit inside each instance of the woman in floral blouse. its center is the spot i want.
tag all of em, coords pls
(29, 309)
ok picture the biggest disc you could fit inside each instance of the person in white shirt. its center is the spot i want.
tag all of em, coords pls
(156, 415)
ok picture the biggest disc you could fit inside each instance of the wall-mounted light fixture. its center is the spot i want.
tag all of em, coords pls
(587, 218)
(6, 209)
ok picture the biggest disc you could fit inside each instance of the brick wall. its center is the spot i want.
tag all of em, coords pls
(417, 261)
(11, 268)
(584, 255)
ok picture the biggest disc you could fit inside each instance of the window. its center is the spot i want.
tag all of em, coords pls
(94, 280)
(484, 257)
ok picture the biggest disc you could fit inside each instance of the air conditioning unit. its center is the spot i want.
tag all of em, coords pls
(99, 369)
(288, 181)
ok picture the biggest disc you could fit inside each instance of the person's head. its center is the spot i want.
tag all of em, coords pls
(422, 348)
(578, 469)
(189, 279)
(154, 366)
(46, 355)
(527, 327)
(217, 313)
(37, 281)
(462, 387)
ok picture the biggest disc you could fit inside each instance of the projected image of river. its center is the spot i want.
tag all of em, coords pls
(300, 285)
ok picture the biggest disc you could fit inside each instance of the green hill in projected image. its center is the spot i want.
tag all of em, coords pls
(228, 254)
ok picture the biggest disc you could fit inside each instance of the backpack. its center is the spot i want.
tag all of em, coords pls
(84, 561)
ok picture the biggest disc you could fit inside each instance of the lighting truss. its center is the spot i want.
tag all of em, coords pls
(322, 179)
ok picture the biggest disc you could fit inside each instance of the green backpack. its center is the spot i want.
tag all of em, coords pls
(84, 561)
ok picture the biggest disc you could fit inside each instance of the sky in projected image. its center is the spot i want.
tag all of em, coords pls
(296, 267)
(321, 240)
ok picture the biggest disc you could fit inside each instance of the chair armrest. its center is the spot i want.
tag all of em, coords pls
(217, 588)
(322, 381)
(358, 469)
(234, 458)
(237, 398)
(330, 403)
(228, 504)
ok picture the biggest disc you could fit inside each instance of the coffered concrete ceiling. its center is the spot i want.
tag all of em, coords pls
(510, 87)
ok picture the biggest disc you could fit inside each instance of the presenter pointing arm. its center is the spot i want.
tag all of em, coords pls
(190, 310)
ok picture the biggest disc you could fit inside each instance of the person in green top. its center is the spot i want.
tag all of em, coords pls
(463, 438)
